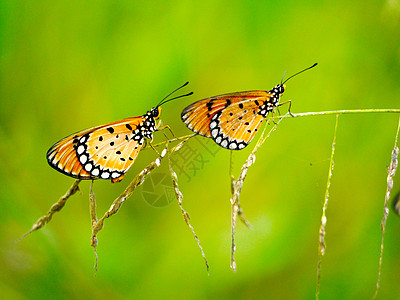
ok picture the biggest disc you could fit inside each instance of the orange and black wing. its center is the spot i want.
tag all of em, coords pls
(105, 152)
(231, 120)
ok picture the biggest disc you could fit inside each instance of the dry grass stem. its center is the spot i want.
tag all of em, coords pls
(342, 112)
(237, 187)
(54, 208)
(242, 218)
(322, 245)
(391, 172)
(241, 215)
(93, 217)
(179, 197)
(115, 206)
(97, 225)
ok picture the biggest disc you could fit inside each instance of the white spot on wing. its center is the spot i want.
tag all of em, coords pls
(115, 175)
(88, 167)
(95, 172)
(214, 132)
(218, 140)
(105, 175)
(224, 143)
(232, 146)
(213, 124)
(83, 159)
(80, 149)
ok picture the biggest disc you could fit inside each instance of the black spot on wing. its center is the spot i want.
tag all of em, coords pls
(210, 105)
(110, 130)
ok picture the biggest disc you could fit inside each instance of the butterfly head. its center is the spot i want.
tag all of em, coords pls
(276, 93)
(279, 89)
(155, 112)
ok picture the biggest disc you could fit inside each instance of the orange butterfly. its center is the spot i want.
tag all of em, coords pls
(232, 120)
(106, 151)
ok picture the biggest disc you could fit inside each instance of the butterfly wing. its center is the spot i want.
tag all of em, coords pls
(197, 116)
(62, 156)
(231, 120)
(105, 151)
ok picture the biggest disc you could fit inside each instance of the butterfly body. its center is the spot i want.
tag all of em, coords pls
(232, 120)
(106, 151)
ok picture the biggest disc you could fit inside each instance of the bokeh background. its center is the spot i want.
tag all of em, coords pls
(70, 65)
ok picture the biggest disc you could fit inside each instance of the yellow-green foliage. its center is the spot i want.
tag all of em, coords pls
(70, 65)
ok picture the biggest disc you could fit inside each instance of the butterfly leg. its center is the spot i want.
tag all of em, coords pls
(279, 112)
(272, 117)
(152, 147)
(290, 106)
(169, 128)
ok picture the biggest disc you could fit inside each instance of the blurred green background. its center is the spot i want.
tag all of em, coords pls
(68, 65)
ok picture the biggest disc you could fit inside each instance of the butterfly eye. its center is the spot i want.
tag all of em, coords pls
(156, 112)
(281, 89)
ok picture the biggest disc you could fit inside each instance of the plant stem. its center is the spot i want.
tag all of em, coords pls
(322, 245)
(343, 111)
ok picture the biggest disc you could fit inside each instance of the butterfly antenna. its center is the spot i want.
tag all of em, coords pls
(162, 101)
(283, 77)
(298, 73)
